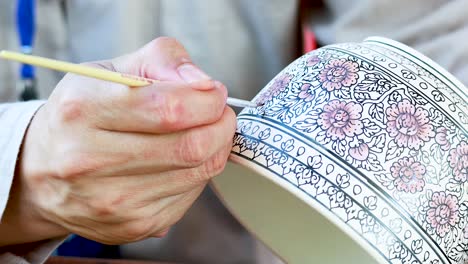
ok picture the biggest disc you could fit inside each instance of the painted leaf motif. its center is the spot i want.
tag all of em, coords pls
(322, 97)
(286, 116)
(343, 180)
(459, 253)
(431, 175)
(393, 151)
(395, 225)
(340, 147)
(264, 134)
(367, 65)
(375, 82)
(408, 75)
(288, 145)
(376, 111)
(322, 137)
(315, 162)
(438, 96)
(307, 125)
(395, 97)
(361, 96)
(377, 143)
(417, 97)
(385, 179)
(416, 246)
(370, 202)
(370, 127)
(343, 93)
(372, 163)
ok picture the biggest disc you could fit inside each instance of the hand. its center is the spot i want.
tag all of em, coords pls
(116, 164)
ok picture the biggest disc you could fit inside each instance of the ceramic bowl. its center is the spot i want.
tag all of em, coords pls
(358, 155)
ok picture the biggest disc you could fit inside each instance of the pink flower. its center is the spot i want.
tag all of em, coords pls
(465, 231)
(408, 175)
(341, 119)
(459, 162)
(409, 125)
(306, 94)
(280, 83)
(313, 60)
(441, 138)
(338, 73)
(443, 212)
(359, 152)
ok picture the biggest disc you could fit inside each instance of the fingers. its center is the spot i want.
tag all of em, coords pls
(152, 220)
(183, 180)
(163, 59)
(161, 108)
(135, 153)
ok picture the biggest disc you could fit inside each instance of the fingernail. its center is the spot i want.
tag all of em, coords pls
(190, 73)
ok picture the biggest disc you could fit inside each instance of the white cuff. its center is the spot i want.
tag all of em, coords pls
(14, 120)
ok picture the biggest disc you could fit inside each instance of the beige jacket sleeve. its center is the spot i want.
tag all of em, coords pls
(14, 120)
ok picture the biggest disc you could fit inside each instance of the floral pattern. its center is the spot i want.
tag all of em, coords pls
(276, 88)
(459, 162)
(441, 138)
(313, 60)
(341, 119)
(338, 73)
(380, 139)
(359, 152)
(306, 93)
(408, 175)
(409, 125)
(443, 212)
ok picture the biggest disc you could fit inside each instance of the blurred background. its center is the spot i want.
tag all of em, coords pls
(242, 43)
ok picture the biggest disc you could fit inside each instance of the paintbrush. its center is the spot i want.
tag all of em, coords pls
(102, 74)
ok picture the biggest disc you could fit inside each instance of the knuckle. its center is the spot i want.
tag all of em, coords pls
(164, 41)
(168, 114)
(73, 164)
(193, 149)
(103, 207)
(70, 109)
(170, 47)
(216, 165)
(137, 230)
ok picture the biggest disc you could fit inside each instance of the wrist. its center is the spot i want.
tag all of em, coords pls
(23, 220)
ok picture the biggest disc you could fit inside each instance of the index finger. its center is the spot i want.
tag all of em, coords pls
(163, 107)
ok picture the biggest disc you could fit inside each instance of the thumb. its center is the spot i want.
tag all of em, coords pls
(162, 59)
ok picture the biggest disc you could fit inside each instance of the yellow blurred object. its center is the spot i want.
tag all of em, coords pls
(133, 81)
(116, 77)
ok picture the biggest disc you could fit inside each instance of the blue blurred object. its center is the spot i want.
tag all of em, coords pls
(76, 246)
(25, 23)
(25, 19)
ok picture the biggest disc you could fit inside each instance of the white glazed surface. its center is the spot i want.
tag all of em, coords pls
(373, 136)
